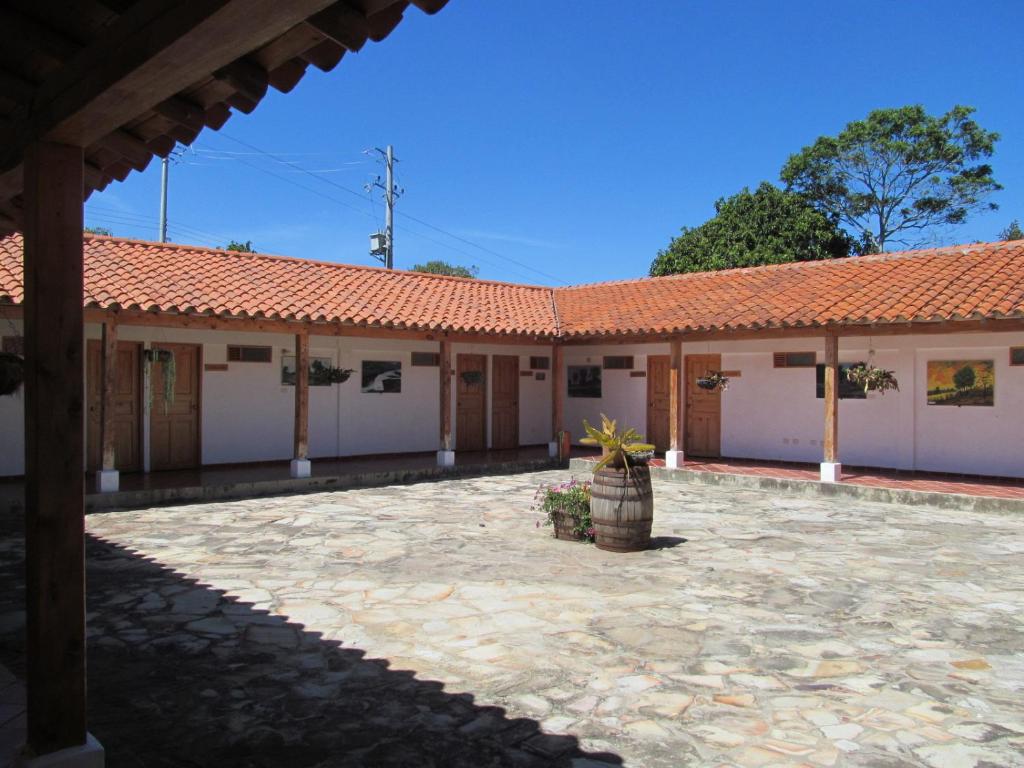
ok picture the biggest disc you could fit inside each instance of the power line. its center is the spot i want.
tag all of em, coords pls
(406, 215)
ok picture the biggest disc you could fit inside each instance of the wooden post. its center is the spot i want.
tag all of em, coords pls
(674, 458)
(445, 372)
(830, 470)
(107, 436)
(300, 459)
(54, 448)
(557, 400)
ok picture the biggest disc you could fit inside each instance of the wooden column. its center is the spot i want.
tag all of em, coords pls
(675, 388)
(557, 391)
(831, 396)
(445, 372)
(301, 396)
(109, 388)
(54, 448)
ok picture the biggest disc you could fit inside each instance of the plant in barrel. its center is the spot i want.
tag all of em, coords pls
(621, 497)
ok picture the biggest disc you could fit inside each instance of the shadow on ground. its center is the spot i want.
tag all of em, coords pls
(181, 674)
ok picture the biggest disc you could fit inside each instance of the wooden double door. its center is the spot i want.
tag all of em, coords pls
(471, 402)
(127, 406)
(174, 423)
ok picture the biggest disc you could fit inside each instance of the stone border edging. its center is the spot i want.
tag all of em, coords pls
(950, 501)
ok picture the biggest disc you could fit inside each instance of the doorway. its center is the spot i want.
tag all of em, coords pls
(659, 397)
(703, 408)
(470, 403)
(127, 406)
(505, 401)
(174, 425)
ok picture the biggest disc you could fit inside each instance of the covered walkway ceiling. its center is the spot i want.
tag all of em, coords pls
(127, 80)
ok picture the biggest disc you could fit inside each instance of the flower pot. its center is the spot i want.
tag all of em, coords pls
(563, 524)
(707, 383)
(12, 373)
(622, 508)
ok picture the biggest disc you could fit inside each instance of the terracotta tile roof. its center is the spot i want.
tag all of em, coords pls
(133, 274)
(962, 282)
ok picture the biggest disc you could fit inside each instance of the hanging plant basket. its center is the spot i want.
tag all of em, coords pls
(872, 379)
(472, 377)
(713, 380)
(166, 358)
(12, 372)
(322, 375)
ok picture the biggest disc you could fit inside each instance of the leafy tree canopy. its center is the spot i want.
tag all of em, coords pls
(444, 268)
(768, 226)
(97, 231)
(897, 174)
(246, 247)
(1012, 232)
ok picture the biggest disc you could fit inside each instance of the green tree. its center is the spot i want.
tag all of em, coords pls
(1012, 232)
(438, 267)
(98, 231)
(963, 379)
(768, 226)
(897, 174)
(235, 245)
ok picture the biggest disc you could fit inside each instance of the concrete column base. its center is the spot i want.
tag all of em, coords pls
(674, 459)
(300, 468)
(553, 449)
(445, 458)
(108, 481)
(831, 472)
(88, 755)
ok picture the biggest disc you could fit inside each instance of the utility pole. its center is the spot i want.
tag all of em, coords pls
(163, 199)
(383, 246)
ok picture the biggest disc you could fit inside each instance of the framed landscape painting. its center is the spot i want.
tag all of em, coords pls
(961, 382)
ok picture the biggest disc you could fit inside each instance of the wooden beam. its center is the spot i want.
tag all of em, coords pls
(675, 405)
(445, 373)
(301, 396)
(156, 49)
(831, 396)
(557, 391)
(54, 448)
(107, 407)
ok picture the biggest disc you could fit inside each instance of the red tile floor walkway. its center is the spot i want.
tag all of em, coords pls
(928, 482)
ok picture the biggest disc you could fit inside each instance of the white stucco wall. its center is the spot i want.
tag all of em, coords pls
(767, 412)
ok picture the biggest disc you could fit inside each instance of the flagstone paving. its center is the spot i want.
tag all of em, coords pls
(761, 631)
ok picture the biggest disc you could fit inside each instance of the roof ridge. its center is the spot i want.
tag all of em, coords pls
(299, 259)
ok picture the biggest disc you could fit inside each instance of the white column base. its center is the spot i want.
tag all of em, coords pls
(831, 472)
(301, 468)
(674, 459)
(445, 458)
(88, 755)
(108, 481)
(553, 449)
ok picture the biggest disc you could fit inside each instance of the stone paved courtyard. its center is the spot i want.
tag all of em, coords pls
(760, 631)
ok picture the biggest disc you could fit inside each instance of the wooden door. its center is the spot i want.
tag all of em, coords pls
(659, 396)
(174, 426)
(471, 403)
(703, 408)
(127, 407)
(505, 401)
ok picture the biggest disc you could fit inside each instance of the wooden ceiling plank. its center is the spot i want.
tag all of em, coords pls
(133, 150)
(16, 87)
(288, 75)
(343, 24)
(325, 56)
(182, 111)
(247, 78)
(156, 49)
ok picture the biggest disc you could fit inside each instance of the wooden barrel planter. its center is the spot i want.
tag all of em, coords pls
(564, 523)
(622, 508)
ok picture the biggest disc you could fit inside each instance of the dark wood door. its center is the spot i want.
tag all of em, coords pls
(471, 403)
(703, 408)
(127, 407)
(658, 399)
(505, 401)
(174, 426)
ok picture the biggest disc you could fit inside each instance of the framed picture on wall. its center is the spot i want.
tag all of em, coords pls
(584, 380)
(382, 376)
(316, 364)
(961, 382)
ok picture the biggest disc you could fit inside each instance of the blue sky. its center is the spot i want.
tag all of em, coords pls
(568, 142)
